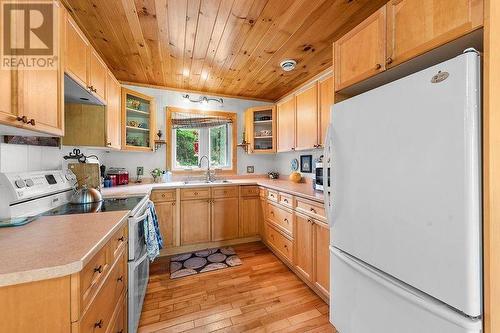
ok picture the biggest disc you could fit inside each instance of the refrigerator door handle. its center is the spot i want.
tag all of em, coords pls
(327, 155)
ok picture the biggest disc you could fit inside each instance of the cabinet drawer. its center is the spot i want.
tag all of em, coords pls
(311, 208)
(280, 217)
(118, 241)
(225, 192)
(249, 191)
(285, 199)
(98, 317)
(92, 275)
(163, 195)
(195, 193)
(280, 243)
(119, 323)
(272, 195)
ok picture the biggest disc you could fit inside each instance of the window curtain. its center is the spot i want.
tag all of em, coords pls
(194, 120)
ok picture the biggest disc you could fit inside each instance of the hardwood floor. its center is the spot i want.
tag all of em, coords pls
(261, 295)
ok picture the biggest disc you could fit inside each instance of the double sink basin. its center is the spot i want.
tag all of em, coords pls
(197, 181)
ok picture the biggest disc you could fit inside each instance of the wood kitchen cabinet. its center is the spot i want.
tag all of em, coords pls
(82, 63)
(195, 221)
(76, 54)
(8, 114)
(360, 53)
(260, 129)
(306, 111)
(286, 125)
(417, 26)
(113, 112)
(303, 245)
(224, 218)
(166, 212)
(325, 88)
(97, 74)
(321, 255)
(249, 216)
(36, 96)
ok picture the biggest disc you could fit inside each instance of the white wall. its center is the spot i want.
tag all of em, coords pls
(282, 161)
(27, 158)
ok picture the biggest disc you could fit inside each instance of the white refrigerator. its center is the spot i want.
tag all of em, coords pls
(403, 198)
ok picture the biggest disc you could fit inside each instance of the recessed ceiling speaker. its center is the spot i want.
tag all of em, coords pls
(288, 65)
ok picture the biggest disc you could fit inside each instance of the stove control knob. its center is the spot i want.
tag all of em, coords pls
(29, 182)
(20, 183)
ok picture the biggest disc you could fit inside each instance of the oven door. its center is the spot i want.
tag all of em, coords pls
(137, 241)
(138, 276)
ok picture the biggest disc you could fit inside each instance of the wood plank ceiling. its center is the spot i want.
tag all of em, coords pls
(230, 47)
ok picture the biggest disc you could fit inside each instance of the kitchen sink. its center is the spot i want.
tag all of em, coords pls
(218, 181)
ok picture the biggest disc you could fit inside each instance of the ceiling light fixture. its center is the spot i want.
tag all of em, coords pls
(202, 99)
(288, 65)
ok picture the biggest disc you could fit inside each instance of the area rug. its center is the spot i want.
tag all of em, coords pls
(203, 261)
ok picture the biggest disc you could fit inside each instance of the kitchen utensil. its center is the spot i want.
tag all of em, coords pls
(86, 195)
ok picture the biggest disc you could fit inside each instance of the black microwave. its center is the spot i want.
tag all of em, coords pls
(319, 175)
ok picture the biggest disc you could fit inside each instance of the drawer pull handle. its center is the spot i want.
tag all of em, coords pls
(163, 195)
(121, 239)
(98, 269)
(173, 203)
(271, 212)
(285, 200)
(120, 331)
(378, 66)
(310, 221)
(98, 324)
(195, 193)
(286, 220)
(312, 210)
(120, 279)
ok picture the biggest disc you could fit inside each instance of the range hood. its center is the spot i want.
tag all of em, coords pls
(75, 93)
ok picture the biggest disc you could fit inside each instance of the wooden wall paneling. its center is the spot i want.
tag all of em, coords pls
(219, 46)
(491, 172)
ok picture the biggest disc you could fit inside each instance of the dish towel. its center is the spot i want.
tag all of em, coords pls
(152, 234)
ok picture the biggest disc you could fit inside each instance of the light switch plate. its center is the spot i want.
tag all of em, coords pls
(140, 171)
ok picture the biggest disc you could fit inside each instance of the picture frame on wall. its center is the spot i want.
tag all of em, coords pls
(306, 163)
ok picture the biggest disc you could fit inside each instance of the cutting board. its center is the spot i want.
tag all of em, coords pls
(87, 174)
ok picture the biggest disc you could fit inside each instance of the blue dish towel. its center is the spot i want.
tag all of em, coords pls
(154, 241)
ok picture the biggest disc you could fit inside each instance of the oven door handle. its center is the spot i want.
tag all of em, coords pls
(136, 263)
(140, 218)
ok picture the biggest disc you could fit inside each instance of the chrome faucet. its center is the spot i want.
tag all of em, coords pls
(208, 173)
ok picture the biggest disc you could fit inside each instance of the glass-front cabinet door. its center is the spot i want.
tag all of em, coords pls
(138, 120)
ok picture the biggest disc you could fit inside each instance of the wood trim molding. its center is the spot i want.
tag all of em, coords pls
(491, 161)
(168, 129)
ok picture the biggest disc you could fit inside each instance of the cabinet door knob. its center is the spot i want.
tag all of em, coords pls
(173, 203)
(120, 279)
(108, 144)
(121, 239)
(98, 324)
(378, 66)
(31, 121)
(24, 119)
(388, 61)
(312, 210)
(98, 269)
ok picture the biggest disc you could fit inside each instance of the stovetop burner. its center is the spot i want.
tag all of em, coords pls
(107, 205)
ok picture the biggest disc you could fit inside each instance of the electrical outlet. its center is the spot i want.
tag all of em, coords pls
(250, 169)
(140, 171)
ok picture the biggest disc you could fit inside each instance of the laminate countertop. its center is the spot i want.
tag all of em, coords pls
(54, 246)
(303, 190)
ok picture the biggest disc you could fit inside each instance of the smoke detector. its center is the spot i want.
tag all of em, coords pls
(288, 65)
